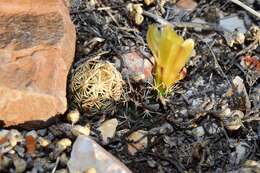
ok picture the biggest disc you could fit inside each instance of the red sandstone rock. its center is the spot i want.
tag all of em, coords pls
(37, 45)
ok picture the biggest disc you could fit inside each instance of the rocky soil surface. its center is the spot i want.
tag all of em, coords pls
(209, 123)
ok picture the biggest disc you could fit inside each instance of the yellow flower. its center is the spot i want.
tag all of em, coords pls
(171, 53)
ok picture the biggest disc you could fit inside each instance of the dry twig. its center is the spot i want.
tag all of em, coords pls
(203, 26)
(56, 165)
(250, 10)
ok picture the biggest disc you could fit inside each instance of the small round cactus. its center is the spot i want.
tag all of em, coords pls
(95, 85)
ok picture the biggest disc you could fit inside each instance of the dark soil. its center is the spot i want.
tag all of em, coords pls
(195, 102)
(187, 133)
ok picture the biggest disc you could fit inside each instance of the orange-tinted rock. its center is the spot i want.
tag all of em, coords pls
(188, 5)
(37, 45)
(137, 67)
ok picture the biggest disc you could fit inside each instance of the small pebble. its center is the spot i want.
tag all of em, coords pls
(90, 170)
(43, 142)
(148, 2)
(239, 38)
(3, 133)
(137, 141)
(50, 136)
(63, 159)
(5, 162)
(151, 163)
(93, 2)
(163, 129)
(198, 131)
(62, 171)
(12, 141)
(32, 133)
(136, 11)
(139, 19)
(252, 163)
(20, 150)
(108, 129)
(73, 116)
(63, 144)
(224, 113)
(41, 165)
(19, 164)
(80, 130)
(14, 136)
(11, 152)
(234, 121)
(42, 132)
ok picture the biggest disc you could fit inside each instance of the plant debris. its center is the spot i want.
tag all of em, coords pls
(210, 122)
